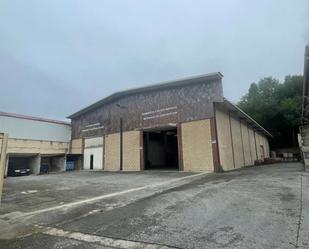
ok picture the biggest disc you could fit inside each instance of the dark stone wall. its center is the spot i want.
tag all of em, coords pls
(154, 108)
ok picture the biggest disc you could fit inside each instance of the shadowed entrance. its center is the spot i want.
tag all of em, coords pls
(161, 149)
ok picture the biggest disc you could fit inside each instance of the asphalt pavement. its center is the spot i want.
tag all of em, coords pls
(257, 207)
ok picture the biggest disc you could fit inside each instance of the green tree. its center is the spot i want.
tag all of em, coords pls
(277, 107)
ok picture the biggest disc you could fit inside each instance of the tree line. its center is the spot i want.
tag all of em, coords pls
(277, 107)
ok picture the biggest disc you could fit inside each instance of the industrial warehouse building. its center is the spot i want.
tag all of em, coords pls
(184, 124)
(34, 142)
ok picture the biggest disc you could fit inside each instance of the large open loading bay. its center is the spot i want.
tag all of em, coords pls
(161, 149)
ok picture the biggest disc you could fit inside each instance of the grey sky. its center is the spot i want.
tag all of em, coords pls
(59, 56)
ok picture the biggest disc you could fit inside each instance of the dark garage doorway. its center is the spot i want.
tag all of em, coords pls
(74, 162)
(17, 164)
(161, 149)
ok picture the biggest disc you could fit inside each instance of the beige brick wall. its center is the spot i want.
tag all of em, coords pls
(131, 151)
(256, 145)
(224, 140)
(196, 146)
(237, 143)
(93, 142)
(77, 146)
(112, 152)
(267, 148)
(246, 143)
(264, 145)
(252, 144)
(36, 147)
(262, 140)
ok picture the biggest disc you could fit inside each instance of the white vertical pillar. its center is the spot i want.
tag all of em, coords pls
(35, 164)
(3, 158)
(7, 166)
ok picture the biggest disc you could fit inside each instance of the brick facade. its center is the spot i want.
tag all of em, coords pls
(196, 146)
(239, 143)
(112, 152)
(131, 151)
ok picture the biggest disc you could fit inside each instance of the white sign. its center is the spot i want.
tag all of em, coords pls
(168, 111)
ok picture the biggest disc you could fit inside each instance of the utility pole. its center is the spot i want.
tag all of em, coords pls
(3, 155)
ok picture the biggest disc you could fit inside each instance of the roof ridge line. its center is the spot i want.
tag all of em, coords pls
(160, 85)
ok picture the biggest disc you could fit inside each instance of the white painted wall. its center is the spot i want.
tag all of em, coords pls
(93, 146)
(97, 157)
(35, 130)
(93, 142)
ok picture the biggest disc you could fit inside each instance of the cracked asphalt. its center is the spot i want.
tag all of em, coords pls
(257, 207)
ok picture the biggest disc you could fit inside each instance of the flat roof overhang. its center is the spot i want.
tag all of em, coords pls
(22, 154)
(20, 116)
(34, 154)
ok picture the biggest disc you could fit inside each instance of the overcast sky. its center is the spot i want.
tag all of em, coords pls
(57, 56)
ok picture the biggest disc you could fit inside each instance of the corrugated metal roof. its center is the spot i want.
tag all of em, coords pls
(160, 86)
(14, 115)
